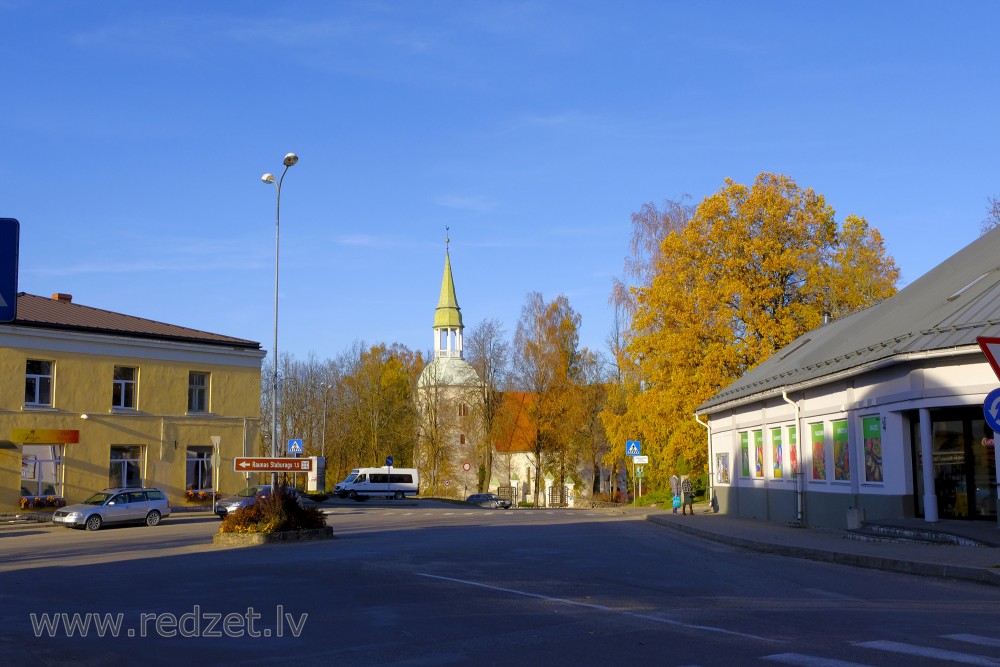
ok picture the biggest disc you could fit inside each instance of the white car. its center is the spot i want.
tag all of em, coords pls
(118, 505)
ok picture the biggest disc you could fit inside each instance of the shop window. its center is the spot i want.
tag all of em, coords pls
(123, 391)
(38, 382)
(199, 469)
(126, 466)
(744, 454)
(197, 392)
(777, 454)
(818, 441)
(758, 446)
(41, 470)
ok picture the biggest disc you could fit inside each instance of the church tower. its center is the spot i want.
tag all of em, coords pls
(449, 397)
(448, 316)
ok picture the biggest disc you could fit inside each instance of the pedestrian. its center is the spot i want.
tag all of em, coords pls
(675, 488)
(687, 495)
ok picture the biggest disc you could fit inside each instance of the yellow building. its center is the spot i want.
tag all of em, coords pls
(91, 399)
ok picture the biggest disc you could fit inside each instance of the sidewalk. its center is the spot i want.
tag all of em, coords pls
(979, 564)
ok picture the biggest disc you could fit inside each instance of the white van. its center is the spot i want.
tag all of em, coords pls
(364, 483)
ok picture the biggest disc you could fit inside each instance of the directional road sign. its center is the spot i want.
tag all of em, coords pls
(9, 232)
(991, 410)
(633, 448)
(271, 464)
(295, 446)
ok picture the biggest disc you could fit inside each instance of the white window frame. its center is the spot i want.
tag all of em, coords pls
(125, 389)
(42, 381)
(198, 393)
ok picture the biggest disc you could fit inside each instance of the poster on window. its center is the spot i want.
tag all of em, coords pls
(873, 449)
(818, 451)
(722, 468)
(758, 446)
(745, 449)
(776, 458)
(841, 452)
(793, 450)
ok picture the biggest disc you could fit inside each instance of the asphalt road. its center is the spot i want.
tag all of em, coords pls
(430, 584)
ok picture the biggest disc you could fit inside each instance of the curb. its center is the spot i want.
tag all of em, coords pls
(253, 539)
(957, 572)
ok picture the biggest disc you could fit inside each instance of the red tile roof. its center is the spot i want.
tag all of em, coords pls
(60, 313)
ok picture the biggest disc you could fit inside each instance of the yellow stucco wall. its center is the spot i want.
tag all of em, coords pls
(83, 384)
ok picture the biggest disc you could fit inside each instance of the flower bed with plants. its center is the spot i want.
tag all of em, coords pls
(201, 496)
(275, 518)
(42, 502)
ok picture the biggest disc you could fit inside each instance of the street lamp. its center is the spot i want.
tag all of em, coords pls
(290, 160)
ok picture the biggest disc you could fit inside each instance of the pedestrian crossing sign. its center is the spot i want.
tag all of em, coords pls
(633, 448)
(295, 446)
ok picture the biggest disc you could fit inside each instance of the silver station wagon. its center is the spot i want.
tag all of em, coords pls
(112, 506)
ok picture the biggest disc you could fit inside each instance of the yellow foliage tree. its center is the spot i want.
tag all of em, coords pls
(752, 269)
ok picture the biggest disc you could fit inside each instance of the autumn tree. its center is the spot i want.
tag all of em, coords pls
(547, 364)
(992, 218)
(754, 267)
(623, 414)
(489, 353)
(380, 409)
(591, 397)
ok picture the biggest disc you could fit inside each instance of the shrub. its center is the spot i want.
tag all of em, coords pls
(278, 512)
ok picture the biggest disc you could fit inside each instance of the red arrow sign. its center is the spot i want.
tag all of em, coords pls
(271, 464)
(991, 348)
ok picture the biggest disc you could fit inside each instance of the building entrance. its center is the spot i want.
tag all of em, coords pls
(964, 464)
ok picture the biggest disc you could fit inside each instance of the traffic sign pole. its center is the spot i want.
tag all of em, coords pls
(10, 230)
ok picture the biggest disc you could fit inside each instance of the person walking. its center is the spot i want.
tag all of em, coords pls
(675, 489)
(687, 495)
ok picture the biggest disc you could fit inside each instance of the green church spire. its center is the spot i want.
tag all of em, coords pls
(448, 315)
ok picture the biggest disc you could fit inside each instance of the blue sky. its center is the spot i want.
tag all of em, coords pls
(134, 135)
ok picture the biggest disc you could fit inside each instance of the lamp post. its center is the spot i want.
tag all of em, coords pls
(290, 160)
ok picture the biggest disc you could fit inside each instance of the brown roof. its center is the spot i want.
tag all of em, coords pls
(59, 312)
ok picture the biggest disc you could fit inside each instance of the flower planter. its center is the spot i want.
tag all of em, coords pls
(252, 539)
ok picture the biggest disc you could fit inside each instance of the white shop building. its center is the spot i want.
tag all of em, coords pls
(879, 414)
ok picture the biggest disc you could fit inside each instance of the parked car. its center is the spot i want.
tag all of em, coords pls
(490, 500)
(246, 497)
(117, 505)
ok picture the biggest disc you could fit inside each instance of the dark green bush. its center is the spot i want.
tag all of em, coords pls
(276, 513)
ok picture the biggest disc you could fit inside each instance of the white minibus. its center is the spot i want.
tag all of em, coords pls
(364, 483)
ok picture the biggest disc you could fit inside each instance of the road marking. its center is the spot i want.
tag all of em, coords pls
(809, 660)
(927, 652)
(600, 607)
(974, 639)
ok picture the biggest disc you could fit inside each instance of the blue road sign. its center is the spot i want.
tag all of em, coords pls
(991, 410)
(633, 448)
(295, 446)
(388, 461)
(9, 238)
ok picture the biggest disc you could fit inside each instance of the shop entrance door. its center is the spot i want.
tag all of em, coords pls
(964, 465)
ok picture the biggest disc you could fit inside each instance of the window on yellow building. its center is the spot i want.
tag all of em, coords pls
(38, 382)
(123, 391)
(126, 466)
(199, 469)
(197, 392)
